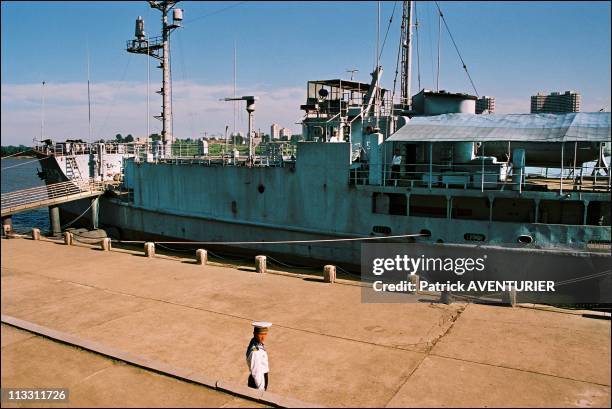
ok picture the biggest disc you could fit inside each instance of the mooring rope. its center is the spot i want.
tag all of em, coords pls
(274, 242)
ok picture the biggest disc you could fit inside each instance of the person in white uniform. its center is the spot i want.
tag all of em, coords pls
(257, 357)
(395, 167)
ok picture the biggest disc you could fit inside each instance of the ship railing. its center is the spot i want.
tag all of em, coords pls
(473, 176)
(79, 148)
(228, 160)
(145, 45)
(31, 196)
(215, 154)
(349, 104)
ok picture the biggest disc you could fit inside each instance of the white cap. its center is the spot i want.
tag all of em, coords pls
(261, 326)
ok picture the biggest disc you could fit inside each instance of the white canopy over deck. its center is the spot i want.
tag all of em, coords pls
(568, 127)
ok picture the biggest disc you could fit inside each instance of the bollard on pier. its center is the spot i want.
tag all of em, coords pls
(201, 256)
(35, 234)
(7, 226)
(149, 249)
(509, 297)
(260, 264)
(106, 244)
(413, 279)
(68, 240)
(329, 273)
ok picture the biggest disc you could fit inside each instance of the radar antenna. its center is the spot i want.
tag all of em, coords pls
(159, 48)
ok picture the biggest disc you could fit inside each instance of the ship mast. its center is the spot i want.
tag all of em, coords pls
(159, 48)
(406, 40)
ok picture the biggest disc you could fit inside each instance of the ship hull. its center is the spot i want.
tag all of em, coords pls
(217, 205)
(130, 224)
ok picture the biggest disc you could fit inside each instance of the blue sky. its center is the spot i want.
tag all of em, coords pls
(512, 49)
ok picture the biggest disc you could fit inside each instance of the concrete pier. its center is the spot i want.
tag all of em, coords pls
(325, 346)
(98, 381)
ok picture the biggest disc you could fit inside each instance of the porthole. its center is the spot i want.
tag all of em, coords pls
(525, 239)
(261, 188)
(382, 229)
(425, 233)
(474, 237)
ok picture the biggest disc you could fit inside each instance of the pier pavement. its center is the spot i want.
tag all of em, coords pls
(326, 347)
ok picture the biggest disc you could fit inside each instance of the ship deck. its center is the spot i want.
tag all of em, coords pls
(326, 346)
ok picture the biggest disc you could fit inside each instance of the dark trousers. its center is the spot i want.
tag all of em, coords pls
(252, 382)
(395, 173)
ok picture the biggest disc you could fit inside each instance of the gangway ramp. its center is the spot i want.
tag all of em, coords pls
(49, 195)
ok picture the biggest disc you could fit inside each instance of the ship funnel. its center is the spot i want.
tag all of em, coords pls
(177, 16)
(139, 30)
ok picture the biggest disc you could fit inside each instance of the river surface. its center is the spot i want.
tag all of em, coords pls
(20, 173)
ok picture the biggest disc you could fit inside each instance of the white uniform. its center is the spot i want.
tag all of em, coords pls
(257, 361)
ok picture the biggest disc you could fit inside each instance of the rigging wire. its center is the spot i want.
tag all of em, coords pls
(387, 33)
(416, 29)
(24, 163)
(212, 13)
(397, 65)
(431, 59)
(439, 45)
(456, 48)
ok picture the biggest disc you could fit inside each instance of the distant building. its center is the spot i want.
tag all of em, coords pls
(275, 131)
(142, 140)
(485, 103)
(555, 102)
(285, 134)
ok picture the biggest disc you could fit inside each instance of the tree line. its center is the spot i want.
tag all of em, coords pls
(12, 150)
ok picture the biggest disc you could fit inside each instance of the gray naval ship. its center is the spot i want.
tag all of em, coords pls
(427, 170)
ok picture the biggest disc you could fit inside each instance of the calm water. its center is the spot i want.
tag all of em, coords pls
(24, 176)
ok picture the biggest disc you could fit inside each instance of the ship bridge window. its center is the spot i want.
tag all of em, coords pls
(428, 206)
(472, 208)
(514, 210)
(389, 203)
(598, 213)
(561, 212)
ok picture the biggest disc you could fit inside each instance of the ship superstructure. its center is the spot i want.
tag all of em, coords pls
(428, 168)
